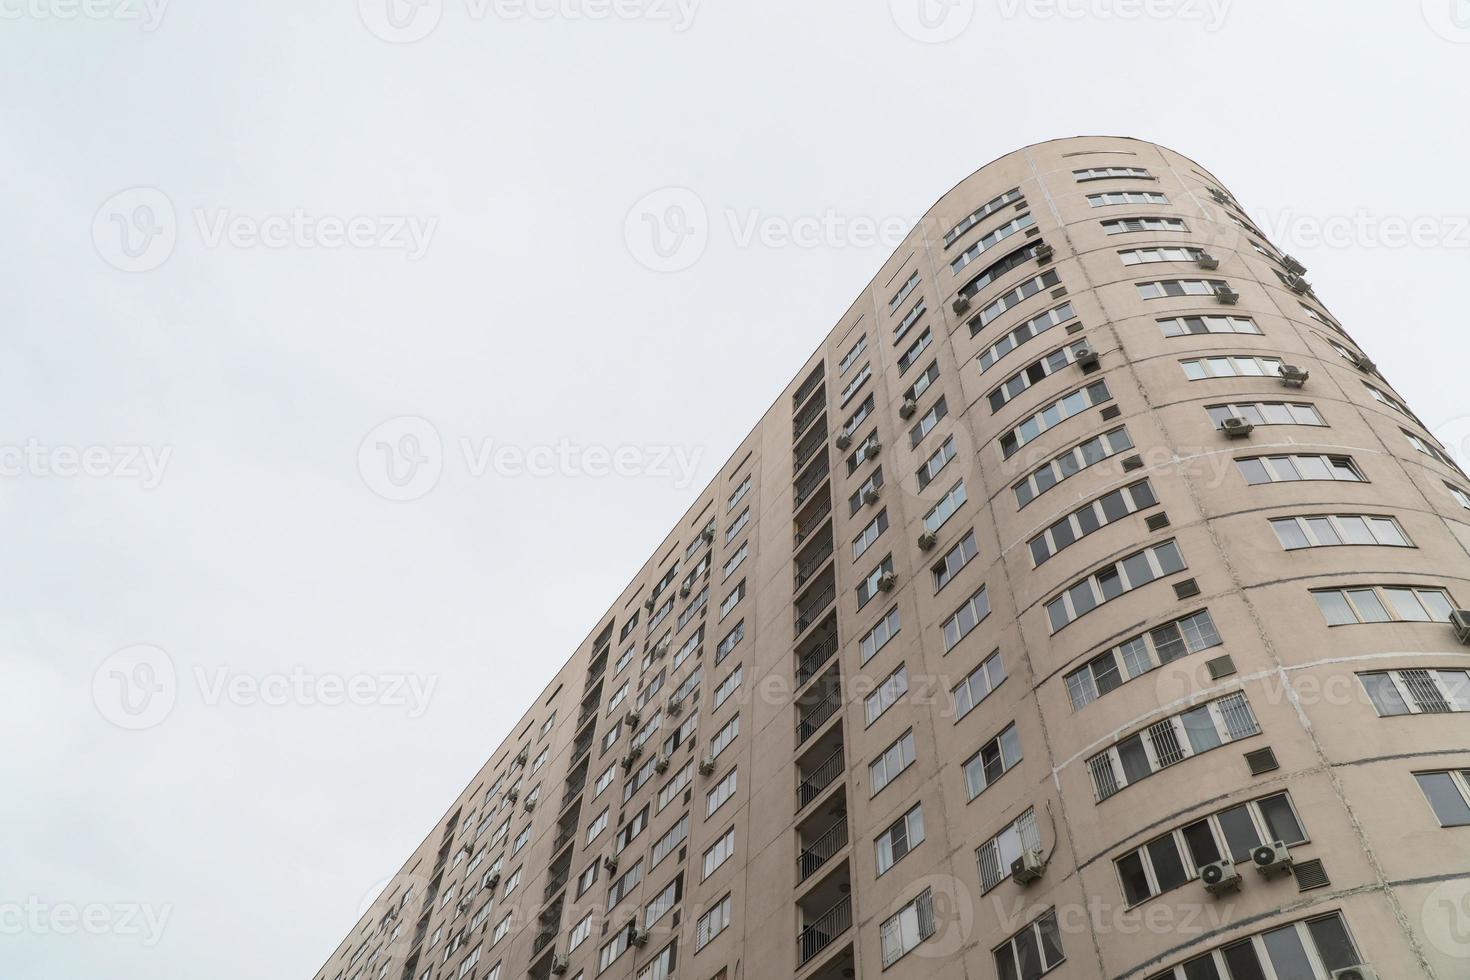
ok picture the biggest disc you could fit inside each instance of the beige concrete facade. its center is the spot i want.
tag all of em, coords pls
(1392, 892)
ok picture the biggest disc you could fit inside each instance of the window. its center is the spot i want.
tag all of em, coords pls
(1417, 691)
(954, 560)
(697, 604)
(722, 738)
(662, 902)
(909, 285)
(1026, 331)
(995, 758)
(724, 789)
(1171, 740)
(894, 686)
(1071, 404)
(580, 932)
(501, 928)
(877, 638)
(869, 534)
(624, 884)
(628, 627)
(588, 877)
(670, 790)
(1384, 398)
(964, 619)
(864, 409)
(540, 759)
(730, 641)
(1140, 654)
(917, 348)
(995, 855)
(1169, 861)
(1120, 226)
(868, 587)
(1326, 530)
(727, 686)
(1462, 497)
(1033, 951)
(981, 213)
(1007, 263)
(1092, 516)
(989, 313)
(597, 826)
(910, 926)
(734, 529)
(671, 839)
(1185, 326)
(935, 463)
(978, 685)
(1384, 604)
(719, 852)
(858, 380)
(732, 563)
(921, 384)
(1113, 580)
(873, 482)
(894, 760)
(661, 967)
(521, 839)
(1428, 448)
(1113, 198)
(712, 923)
(1265, 413)
(1448, 794)
(625, 658)
(850, 358)
(1285, 469)
(1174, 288)
(684, 732)
(1072, 462)
(1034, 373)
(686, 649)
(1312, 948)
(1102, 173)
(906, 833)
(946, 507)
(612, 949)
(926, 424)
(733, 599)
(737, 494)
(1160, 253)
(989, 240)
(1232, 366)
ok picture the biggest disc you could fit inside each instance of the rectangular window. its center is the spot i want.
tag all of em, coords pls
(894, 686)
(1265, 413)
(1120, 226)
(869, 534)
(954, 560)
(1072, 462)
(1172, 740)
(1113, 580)
(727, 687)
(989, 240)
(612, 949)
(1034, 373)
(732, 563)
(917, 348)
(1104, 173)
(1092, 516)
(936, 463)
(921, 384)
(1160, 253)
(1073, 403)
(996, 855)
(850, 358)
(580, 932)
(873, 482)
(995, 758)
(737, 494)
(1305, 950)
(964, 619)
(894, 760)
(987, 209)
(733, 599)
(1285, 469)
(946, 507)
(1327, 530)
(671, 790)
(906, 833)
(1002, 266)
(1384, 604)
(730, 641)
(722, 738)
(719, 852)
(908, 927)
(734, 529)
(1448, 794)
(712, 923)
(868, 587)
(859, 414)
(989, 313)
(1417, 691)
(624, 884)
(1035, 950)
(909, 285)
(877, 637)
(597, 826)
(1231, 366)
(665, 845)
(978, 685)
(858, 380)
(1462, 497)
(1140, 654)
(1175, 288)
(1429, 449)
(1019, 335)
(723, 790)
(926, 425)
(1113, 198)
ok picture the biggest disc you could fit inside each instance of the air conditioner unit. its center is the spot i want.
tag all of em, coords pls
(463, 904)
(706, 767)
(842, 441)
(870, 495)
(1227, 295)
(530, 805)
(521, 757)
(908, 408)
(927, 540)
(560, 965)
(627, 761)
(513, 795)
(546, 915)
(1044, 253)
(610, 863)
(648, 603)
(1272, 857)
(1208, 261)
(1355, 973)
(637, 937)
(661, 766)
(1086, 357)
(631, 719)
(1028, 867)
(961, 304)
(675, 706)
(1219, 195)
(1293, 265)
(684, 591)
(872, 450)
(1236, 427)
(708, 534)
(1297, 284)
(1293, 376)
(886, 582)
(1220, 877)
(1365, 364)
(1460, 620)
(492, 881)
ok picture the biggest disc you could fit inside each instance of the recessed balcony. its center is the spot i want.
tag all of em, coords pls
(825, 914)
(822, 837)
(819, 766)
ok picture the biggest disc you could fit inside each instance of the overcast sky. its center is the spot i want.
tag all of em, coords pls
(249, 249)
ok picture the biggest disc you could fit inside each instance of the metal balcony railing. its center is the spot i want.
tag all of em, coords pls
(819, 779)
(809, 385)
(555, 885)
(813, 659)
(807, 484)
(814, 521)
(816, 440)
(807, 615)
(810, 565)
(806, 416)
(820, 851)
(807, 725)
(824, 930)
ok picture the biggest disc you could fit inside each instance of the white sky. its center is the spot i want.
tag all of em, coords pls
(256, 831)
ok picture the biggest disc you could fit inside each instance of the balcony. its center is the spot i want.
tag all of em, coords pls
(813, 380)
(818, 704)
(807, 415)
(810, 605)
(815, 476)
(821, 838)
(821, 765)
(813, 518)
(816, 650)
(810, 559)
(811, 443)
(596, 668)
(826, 914)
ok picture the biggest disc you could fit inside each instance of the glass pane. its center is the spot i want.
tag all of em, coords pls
(1135, 881)
(1240, 833)
(1168, 866)
(1290, 534)
(1248, 367)
(1287, 955)
(1384, 694)
(1335, 607)
(1449, 806)
(1194, 370)
(1051, 939)
(1276, 414)
(1281, 822)
(1083, 600)
(1355, 530)
(1282, 468)
(1138, 569)
(1005, 963)
(1342, 469)
(1201, 843)
(1242, 962)
(1201, 968)
(1111, 585)
(1170, 560)
(1114, 506)
(1136, 657)
(1435, 601)
(1088, 520)
(1403, 603)
(1370, 610)
(1200, 726)
(1323, 531)
(1386, 532)
(1169, 642)
(1135, 759)
(1010, 746)
(1334, 946)
(1253, 470)
(1029, 955)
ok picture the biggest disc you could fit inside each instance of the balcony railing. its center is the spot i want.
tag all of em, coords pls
(816, 440)
(807, 615)
(824, 930)
(820, 851)
(820, 778)
(811, 479)
(813, 659)
(811, 564)
(814, 521)
(805, 417)
(555, 885)
(809, 385)
(808, 724)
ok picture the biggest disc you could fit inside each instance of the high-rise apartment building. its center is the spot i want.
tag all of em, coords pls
(1084, 608)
